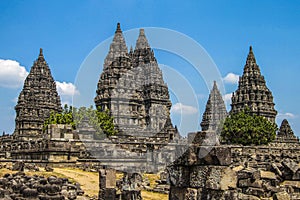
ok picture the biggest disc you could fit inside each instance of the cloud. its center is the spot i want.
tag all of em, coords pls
(227, 98)
(231, 78)
(286, 115)
(66, 89)
(12, 74)
(180, 108)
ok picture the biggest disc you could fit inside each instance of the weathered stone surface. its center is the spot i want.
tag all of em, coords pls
(20, 186)
(37, 98)
(198, 176)
(267, 175)
(131, 86)
(179, 176)
(281, 196)
(215, 111)
(228, 179)
(291, 165)
(253, 92)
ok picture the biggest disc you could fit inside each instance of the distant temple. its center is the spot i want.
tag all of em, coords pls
(215, 110)
(37, 99)
(132, 88)
(252, 92)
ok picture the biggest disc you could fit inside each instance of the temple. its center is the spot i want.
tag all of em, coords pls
(37, 99)
(253, 93)
(215, 110)
(132, 88)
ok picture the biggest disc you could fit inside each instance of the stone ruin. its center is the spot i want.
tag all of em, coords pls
(21, 187)
(147, 140)
(143, 129)
(128, 188)
(210, 170)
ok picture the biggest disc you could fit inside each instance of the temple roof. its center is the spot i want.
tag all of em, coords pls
(253, 92)
(142, 42)
(215, 110)
(117, 47)
(285, 129)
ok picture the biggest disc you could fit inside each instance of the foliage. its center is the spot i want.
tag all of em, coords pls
(66, 117)
(246, 129)
(102, 122)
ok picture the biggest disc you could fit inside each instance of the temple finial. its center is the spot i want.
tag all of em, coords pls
(215, 84)
(118, 28)
(41, 55)
(251, 57)
(142, 42)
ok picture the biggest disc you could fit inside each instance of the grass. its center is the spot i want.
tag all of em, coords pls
(89, 180)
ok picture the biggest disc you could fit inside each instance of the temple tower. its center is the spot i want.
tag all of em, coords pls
(252, 92)
(131, 87)
(37, 99)
(285, 130)
(215, 110)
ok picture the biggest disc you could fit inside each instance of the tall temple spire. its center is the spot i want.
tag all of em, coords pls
(252, 92)
(251, 57)
(41, 56)
(118, 28)
(37, 99)
(215, 111)
(142, 42)
(251, 67)
(117, 48)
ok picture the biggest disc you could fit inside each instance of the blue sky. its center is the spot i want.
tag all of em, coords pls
(69, 30)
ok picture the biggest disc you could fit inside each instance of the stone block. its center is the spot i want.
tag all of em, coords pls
(291, 165)
(179, 176)
(198, 176)
(228, 179)
(259, 192)
(281, 196)
(191, 194)
(249, 173)
(267, 175)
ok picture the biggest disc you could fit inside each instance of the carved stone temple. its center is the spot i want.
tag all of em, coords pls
(211, 170)
(215, 110)
(252, 92)
(131, 86)
(37, 99)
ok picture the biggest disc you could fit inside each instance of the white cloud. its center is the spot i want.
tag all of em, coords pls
(286, 115)
(66, 89)
(231, 78)
(180, 108)
(12, 74)
(227, 98)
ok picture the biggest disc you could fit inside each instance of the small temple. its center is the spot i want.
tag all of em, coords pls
(215, 110)
(37, 99)
(252, 92)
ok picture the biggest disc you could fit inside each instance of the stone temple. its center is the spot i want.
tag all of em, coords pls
(132, 88)
(252, 92)
(37, 99)
(215, 110)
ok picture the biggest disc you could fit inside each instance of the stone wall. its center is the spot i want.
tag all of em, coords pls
(237, 172)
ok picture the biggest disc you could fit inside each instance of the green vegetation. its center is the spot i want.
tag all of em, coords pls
(101, 121)
(243, 128)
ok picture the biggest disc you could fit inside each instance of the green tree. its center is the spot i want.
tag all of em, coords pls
(246, 129)
(101, 121)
